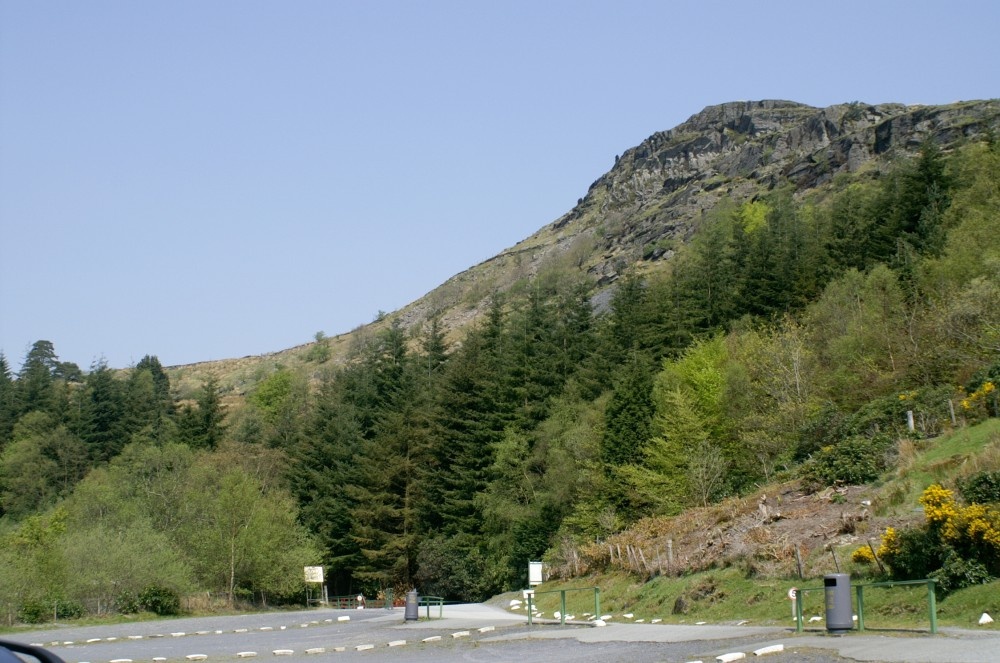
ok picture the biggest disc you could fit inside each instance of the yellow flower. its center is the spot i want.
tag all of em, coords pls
(863, 555)
(890, 543)
(938, 503)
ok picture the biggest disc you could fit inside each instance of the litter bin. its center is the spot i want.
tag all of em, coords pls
(411, 611)
(837, 589)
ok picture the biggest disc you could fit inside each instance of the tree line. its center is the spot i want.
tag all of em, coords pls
(788, 338)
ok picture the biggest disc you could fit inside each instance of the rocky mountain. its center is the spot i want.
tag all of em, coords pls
(654, 196)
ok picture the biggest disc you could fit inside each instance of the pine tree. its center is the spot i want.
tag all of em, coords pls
(203, 426)
(629, 415)
(102, 420)
(36, 389)
(8, 402)
(321, 476)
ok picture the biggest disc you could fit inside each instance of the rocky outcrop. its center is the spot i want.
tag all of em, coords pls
(658, 190)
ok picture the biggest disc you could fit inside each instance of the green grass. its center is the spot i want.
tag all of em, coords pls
(728, 596)
(941, 460)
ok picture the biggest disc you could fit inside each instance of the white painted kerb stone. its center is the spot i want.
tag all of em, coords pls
(773, 649)
(735, 656)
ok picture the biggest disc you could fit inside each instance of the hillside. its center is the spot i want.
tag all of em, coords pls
(735, 560)
(653, 198)
(759, 338)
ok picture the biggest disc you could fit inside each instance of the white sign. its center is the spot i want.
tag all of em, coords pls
(535, 573)
(314, 574)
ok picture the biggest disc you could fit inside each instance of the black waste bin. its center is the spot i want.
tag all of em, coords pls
(411, 611)
(839, 616)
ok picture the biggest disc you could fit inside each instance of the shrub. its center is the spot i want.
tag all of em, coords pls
(824, 429)
(160, 600)
(854, 461)
(958, 573)
(911, 554)
(959, 546)
(981, 488)
(37, 612)
(127, 603)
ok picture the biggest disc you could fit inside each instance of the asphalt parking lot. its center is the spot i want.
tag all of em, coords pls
(476, 632)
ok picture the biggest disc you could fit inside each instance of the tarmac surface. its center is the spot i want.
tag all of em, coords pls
(482, 633)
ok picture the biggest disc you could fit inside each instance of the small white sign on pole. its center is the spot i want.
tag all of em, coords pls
(314, 574)
(535, 574)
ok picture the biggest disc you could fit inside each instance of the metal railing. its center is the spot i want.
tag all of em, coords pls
(432, 600)
(355, 601)
(860, 595)
(562, 601)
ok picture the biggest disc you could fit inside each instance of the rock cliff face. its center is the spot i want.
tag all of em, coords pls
(659, 189)
(655, 194)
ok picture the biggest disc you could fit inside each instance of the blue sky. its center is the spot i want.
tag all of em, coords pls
(212, 179)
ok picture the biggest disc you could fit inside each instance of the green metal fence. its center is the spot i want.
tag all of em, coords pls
(562, 601)
(429, 601)
(860, 598)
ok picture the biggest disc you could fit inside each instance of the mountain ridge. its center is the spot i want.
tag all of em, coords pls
(655, 194)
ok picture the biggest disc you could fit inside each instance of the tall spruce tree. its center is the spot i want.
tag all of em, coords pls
(322, 473)
(8, 402)
(102, 420)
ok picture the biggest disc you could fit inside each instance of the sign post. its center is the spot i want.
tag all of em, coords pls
(314, 574)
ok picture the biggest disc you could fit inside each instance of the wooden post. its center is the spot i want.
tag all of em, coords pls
(877, 560)
(798, 560)
(836, 562)
(670, 555)
(951, 409)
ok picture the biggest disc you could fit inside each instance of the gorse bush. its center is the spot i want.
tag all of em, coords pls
(958, 545)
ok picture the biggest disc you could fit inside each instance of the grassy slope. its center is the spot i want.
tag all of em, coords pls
(737, 592)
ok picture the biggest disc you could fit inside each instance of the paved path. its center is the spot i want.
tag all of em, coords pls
(482, 633)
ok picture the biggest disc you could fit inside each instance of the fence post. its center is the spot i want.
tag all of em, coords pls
(932, 602)
(798, 610)
(530, 610)
(597, 602)
(861, 607)
(562, 606)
